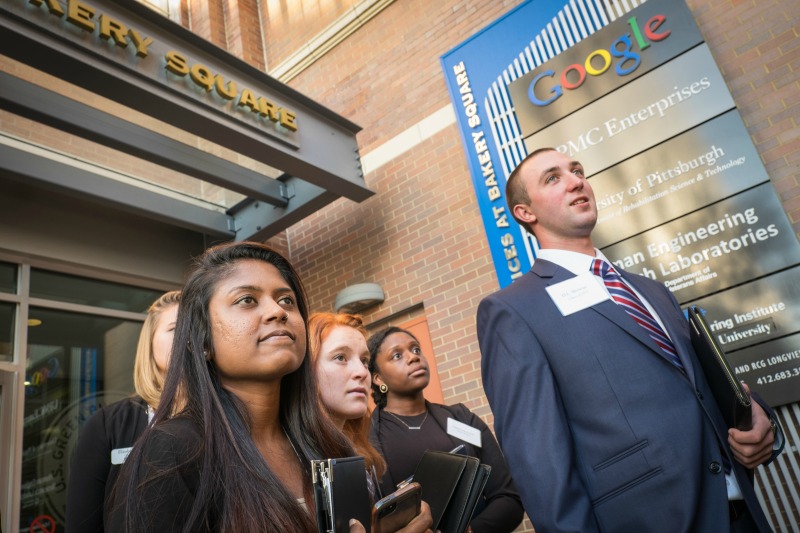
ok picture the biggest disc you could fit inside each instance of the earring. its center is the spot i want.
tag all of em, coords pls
(207, 355)
(383, 388)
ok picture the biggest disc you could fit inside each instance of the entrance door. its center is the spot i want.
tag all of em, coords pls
(67, 347)
(76, 363)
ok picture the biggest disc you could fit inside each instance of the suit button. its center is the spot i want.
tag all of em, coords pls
(715, 467)
(700, 395)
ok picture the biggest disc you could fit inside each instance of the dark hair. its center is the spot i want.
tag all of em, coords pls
(234, 478)
(374, 344)
(516, 191)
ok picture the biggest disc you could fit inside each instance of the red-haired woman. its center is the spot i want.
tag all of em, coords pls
(339, 355)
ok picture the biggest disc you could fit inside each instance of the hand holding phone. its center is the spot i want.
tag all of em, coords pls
(397, 509)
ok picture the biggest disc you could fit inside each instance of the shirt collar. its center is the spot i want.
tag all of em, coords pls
(575, 262)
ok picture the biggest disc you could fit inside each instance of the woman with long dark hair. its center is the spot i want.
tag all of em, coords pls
(404, 425)
(237, 456)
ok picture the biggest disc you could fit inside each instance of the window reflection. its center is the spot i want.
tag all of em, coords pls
(8, 278)
(76, 363)
(86, 291)
(7, 313)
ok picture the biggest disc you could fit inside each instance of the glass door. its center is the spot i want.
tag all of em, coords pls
(67, 348)
(76, 363)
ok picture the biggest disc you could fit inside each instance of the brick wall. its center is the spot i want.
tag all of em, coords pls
(387, 76)
(294, 23)
(207, 19)
(243, 31)
(420, 236)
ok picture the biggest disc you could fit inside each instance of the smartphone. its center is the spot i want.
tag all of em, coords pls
(397, 509)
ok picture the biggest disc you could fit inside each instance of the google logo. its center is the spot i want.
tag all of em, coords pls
(599, 61)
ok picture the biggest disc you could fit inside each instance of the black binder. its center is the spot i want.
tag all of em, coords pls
(341, 493)
(733, 400)
(452, 485)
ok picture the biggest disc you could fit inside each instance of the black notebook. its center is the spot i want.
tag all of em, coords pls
(341, 493)
(733, 400)
(452, 485)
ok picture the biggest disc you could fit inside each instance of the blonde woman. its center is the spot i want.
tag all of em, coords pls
(109, 434)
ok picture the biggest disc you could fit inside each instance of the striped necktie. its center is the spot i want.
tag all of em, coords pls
(625, 297)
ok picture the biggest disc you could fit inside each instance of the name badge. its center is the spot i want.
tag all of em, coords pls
(463, 431)
(118, 455)
(577, 293)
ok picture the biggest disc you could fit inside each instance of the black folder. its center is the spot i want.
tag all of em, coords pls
(341, 493)
(452, 485)
(733, 400)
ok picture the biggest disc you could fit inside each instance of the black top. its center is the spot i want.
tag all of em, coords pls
(402, 449)
(166, 500)
(402, 461)
(92, 476)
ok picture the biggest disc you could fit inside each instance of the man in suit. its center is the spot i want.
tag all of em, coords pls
(605, 425)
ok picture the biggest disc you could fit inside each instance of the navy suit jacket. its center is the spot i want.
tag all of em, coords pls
(600, 431)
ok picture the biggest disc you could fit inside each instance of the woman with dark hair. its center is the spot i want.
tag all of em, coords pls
(405, 425)
(237, 456)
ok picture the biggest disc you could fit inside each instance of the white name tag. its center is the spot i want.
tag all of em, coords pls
(118, 455)
(463, 431)
(577, 293)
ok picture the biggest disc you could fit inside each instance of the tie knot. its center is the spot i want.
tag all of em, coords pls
(601, 268)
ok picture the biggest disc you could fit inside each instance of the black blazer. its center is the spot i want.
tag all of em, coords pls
(92, 476)
(502, 506)
(174, 450)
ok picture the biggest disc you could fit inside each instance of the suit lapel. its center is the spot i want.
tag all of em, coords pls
(616, 314)
(553, 274)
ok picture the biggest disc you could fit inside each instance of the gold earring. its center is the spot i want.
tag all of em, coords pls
(383, 388)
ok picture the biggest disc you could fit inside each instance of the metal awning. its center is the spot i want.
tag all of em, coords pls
(126, 53)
